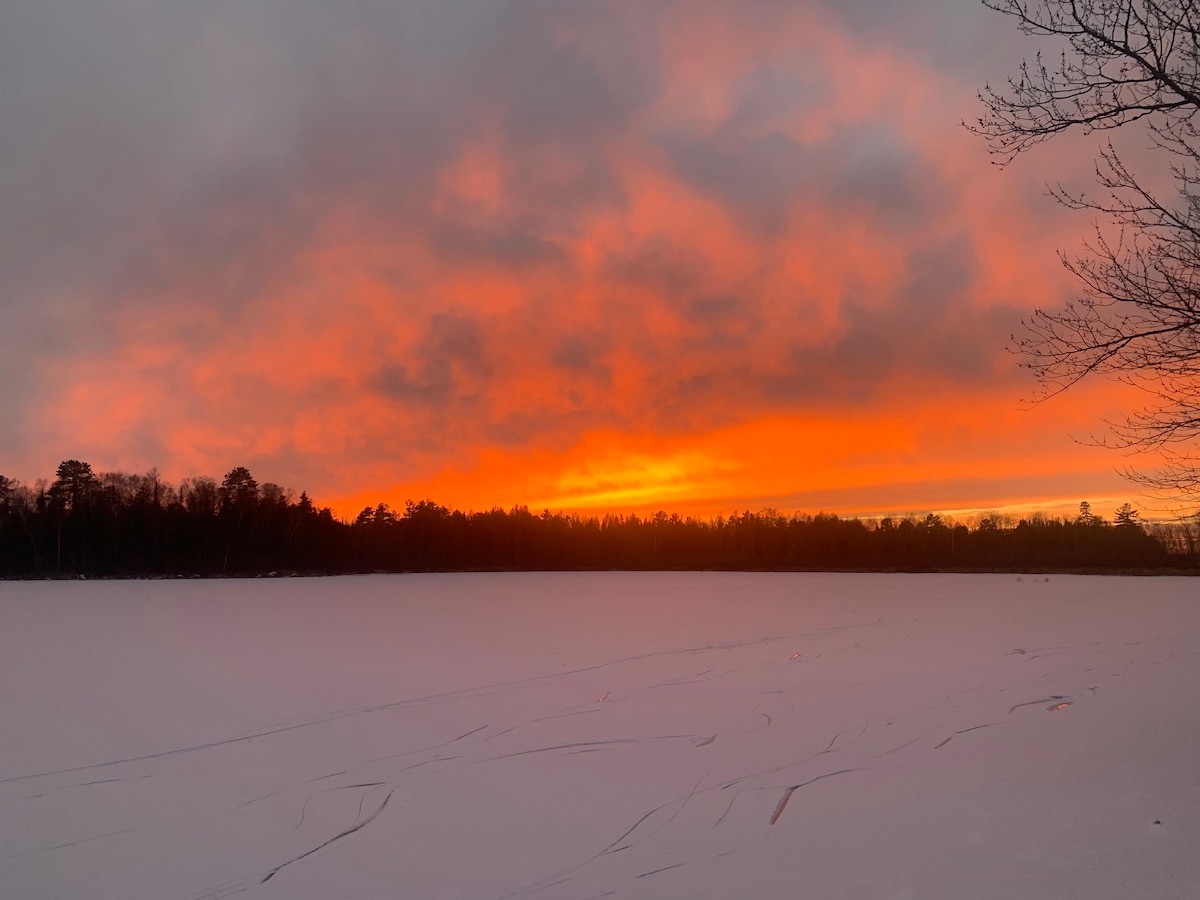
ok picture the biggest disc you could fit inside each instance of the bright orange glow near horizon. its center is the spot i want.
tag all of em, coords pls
(609, 257)
(830, 465)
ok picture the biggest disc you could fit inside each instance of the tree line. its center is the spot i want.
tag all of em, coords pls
(118, 525)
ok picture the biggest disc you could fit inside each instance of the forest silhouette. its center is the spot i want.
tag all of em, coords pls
(115, 524)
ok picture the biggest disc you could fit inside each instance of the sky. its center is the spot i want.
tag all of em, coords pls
(614, 255)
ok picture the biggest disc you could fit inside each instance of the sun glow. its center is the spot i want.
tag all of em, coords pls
(639, 480)
(727, 261)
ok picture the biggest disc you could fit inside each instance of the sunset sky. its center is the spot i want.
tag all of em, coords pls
(606, 255)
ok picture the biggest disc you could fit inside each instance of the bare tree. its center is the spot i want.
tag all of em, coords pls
(200, 496)
(1138, 317)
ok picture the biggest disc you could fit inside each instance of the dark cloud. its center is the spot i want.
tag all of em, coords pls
(175, 153)
(659, 264)
(760, 176)
(459, 243)
(964, 38)
(725, 323)
(582, 85)
(867, 169)
(583, 353)
(873, 171)
(221, 177)
(769, 91)
(930, 327)
(445, 368)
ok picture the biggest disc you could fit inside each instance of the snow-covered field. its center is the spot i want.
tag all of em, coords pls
(587, 735)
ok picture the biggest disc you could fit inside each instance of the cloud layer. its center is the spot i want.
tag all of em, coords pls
(586, 254)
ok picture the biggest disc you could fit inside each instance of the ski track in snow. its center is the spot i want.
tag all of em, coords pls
(695, 756)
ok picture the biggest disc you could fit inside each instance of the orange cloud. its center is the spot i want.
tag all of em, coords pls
(665, 255)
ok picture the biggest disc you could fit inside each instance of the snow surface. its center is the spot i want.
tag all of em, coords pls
(585, 735)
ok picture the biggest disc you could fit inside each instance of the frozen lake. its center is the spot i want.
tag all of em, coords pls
(585, 735)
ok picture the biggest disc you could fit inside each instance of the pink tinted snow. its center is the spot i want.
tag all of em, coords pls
(567, 735)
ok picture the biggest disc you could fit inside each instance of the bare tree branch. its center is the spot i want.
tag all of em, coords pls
(1137, 318)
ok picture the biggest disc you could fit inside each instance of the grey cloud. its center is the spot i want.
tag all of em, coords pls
(582, 353)
(872, 171)
(760, 176)
(861, 170)
(444, 368)
(720, 307)
(669, 268)
(930, 326)
(767, 91)
(171, 151)
(962, 37)
(729, 322)
(573, 94)
(456, 242)
(183, 152)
